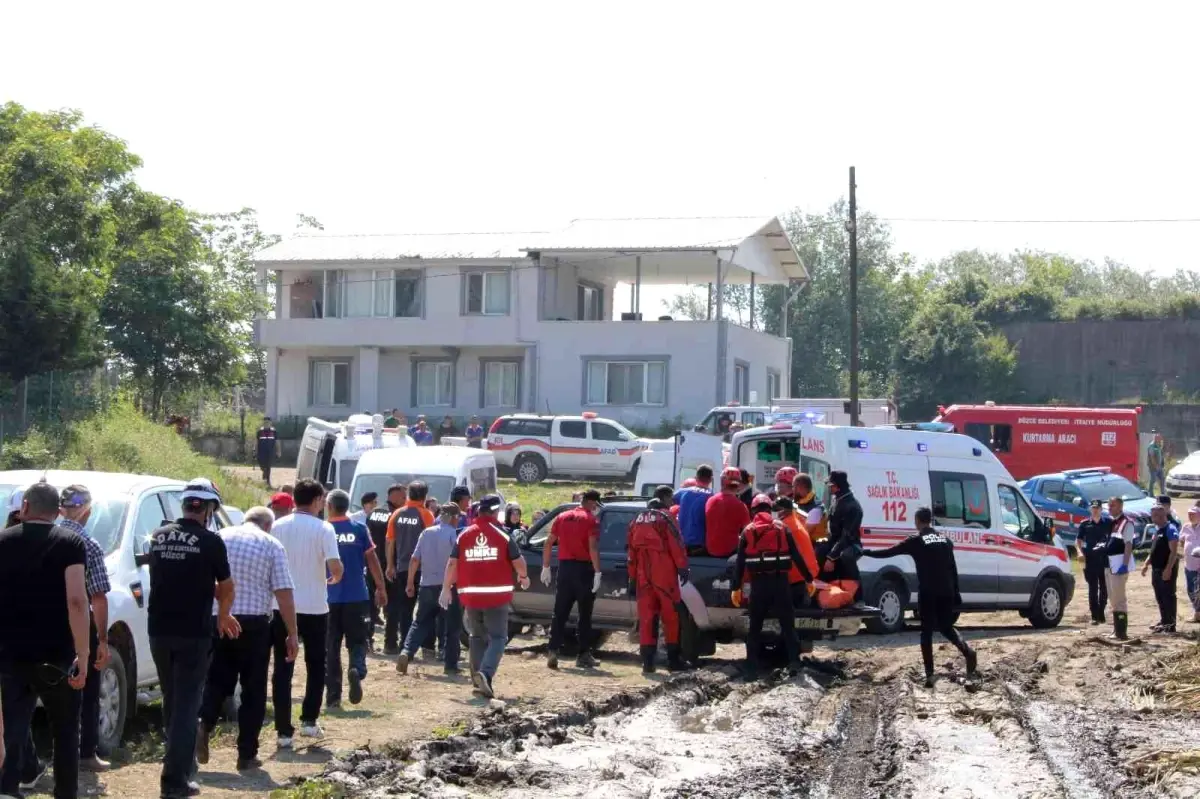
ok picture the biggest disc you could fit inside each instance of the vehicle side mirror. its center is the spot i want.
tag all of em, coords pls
(1077, 501)
(623, 437)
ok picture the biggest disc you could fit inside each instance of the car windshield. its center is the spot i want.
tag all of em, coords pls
(105, 523)
(1107, 487)
(440, 485)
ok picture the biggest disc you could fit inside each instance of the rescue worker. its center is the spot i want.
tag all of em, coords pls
(765, 549)
(1164, 560)
(785, 511)
(266, 449)
(783, 483)
(657, 568)
(377, 525)
(1092, 544)
(1120, 564)
(577, 533)
(404, 528)
(725, 515)
(692, 500)
(806, 501)
(938, 596)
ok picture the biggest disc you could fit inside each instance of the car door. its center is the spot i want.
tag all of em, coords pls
(962, 508)
(148, 516)
(613, 603)
(613, 446)
(573, 451)
(1018, 553)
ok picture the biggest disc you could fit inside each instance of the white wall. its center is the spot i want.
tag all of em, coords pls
(760, 351)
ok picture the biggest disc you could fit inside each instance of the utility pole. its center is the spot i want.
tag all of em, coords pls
(852, 229)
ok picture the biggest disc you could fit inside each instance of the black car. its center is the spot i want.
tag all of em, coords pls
(615, 610)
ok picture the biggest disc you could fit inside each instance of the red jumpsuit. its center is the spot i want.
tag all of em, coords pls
(655, 557)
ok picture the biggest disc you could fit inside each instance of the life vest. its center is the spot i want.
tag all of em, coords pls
(766, 546)
(818, 531)
(485, 576)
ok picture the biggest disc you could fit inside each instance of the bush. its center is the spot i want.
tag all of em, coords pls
(122, 440)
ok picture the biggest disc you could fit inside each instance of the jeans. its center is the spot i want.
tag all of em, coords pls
(349, 621)
(1164, 594)
(245, 659)
(1192, 579)
(89, 713)
(311, 631)
(21, 685)
(488, 628)
(1159, 478)
(399, 612)
(937, 614)
(574, 586)
(182, 665)
(1094, 569)
(429, 613)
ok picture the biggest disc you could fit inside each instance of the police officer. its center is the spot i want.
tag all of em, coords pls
(577, 533)
(1092, 544)
(938, 596)
(766, 551)
(658, 566)
(377, 525)
(266, 449)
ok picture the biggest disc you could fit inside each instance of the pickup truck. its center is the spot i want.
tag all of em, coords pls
(616, 610)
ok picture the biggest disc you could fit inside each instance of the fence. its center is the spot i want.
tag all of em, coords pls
(54, 398)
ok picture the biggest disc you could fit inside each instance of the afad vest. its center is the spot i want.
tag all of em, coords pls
(408, 524)
(485, 576)
(820, 530)
(766, 546)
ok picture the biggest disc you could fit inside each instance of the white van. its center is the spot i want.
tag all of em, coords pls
(329, 452)
(442, 468)
(1008, 558)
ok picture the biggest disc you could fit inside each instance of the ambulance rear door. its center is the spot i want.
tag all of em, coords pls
(693, 450)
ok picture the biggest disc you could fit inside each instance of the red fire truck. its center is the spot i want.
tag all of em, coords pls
(1036, 439)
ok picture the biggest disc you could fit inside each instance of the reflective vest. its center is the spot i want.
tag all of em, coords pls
(818, 531)
(766, 546)
(485, 575)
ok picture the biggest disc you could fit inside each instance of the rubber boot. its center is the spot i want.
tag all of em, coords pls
(1121, 626)
(648, 655)
(675, 660)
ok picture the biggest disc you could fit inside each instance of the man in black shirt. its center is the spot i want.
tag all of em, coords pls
(1092, 544)
(377, 524)
(265, 450)
(187, 560)
(44, 637)
(1164, 561)
(937, 587)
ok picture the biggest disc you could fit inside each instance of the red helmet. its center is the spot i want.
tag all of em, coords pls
(786, 475)
(731, 474)
(761, 500)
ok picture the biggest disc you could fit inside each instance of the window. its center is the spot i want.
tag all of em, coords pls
(524, 427)
(408, 293)
(606, 432)
(331, 293)
(1052, 490)
(996, 437)
(773, 381)
(370, 293)
(614, 526)
(486, 293)
(572, 429)
(150, 516)
(741, 382)
(754, 419)
(483, 481)
(591, 303)
(501, 384)
(625, 383)
(433, 384)
(329, 383)
(1072, 495)
(381, 289)
(1019, 518)
(960, 500)
(357, 289)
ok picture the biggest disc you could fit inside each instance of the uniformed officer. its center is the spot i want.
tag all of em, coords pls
(377, 525)
(577, 533)
(266, 449)
(938, 597)
(1092, 544)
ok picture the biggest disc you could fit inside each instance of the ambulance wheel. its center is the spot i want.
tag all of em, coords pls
(1046, 607)
(888, 596)
(530, 468)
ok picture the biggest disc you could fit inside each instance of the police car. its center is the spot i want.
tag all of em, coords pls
(533, 447)
(1066, 498)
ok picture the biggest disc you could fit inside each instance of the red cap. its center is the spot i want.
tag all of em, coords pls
(731, 474)
(786, 475)
(284, 499)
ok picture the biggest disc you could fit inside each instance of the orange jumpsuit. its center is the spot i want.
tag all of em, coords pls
(656, 556)
(799, 534)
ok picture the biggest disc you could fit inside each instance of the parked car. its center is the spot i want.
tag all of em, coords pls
(126, 508)
(532, 447)
(236, 515)
(1066, 498)
(1184, 477)
(616, 610)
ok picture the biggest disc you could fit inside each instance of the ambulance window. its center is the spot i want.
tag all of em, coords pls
(1018, 516)
(960, 500)
(754, 419)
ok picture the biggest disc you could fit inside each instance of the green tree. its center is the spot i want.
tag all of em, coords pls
(692, 303)
(58, 183)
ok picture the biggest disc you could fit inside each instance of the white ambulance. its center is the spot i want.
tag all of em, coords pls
(1008, 558)
(329, 451)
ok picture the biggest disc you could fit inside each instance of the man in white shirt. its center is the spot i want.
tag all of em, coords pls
(314, 562)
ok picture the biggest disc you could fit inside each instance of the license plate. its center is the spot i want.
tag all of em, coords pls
(772, 625)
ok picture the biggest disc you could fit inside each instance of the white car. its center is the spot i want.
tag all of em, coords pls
(1184, 477)
(125, 509)
(533, 447)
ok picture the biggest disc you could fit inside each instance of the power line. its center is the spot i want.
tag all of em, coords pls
(1174, 220)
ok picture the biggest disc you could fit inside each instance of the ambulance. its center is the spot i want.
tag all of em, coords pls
(1032, 439)
(329, 451)
(1008, 558)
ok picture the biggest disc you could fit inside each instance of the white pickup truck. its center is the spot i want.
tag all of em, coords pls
(532, 447)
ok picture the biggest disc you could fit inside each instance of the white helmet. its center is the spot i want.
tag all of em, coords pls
(203, 489)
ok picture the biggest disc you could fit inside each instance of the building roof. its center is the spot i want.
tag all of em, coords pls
(394, 246)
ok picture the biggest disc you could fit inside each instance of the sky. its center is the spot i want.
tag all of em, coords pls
(457, 117)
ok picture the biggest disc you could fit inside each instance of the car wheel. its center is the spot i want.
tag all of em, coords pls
(1046, 607)
(888, 596)
(530, 469)
(114, 702)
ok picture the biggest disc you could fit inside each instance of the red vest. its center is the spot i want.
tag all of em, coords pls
(485, 575)
(766, 545)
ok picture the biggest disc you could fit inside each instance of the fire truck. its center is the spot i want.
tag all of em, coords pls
(1036, 439)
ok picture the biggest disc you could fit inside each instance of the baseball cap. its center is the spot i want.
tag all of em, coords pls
(283, 498)
(490, 504)
(1097, 503)
(15, 500)
(75, 496)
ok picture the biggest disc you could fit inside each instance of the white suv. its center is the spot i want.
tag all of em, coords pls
(533, 447)
(125, 509)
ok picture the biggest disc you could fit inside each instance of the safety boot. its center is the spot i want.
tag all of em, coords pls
(1121, 626)
(675, 661)
(648, 654)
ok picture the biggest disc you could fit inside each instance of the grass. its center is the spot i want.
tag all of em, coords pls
(449, 730)
(310, 789)
(544, 496)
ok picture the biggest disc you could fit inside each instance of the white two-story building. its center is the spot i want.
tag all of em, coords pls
(492, 324)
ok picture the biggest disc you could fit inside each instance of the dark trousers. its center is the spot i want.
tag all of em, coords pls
(311, 630)
(182, 665)
(1093, 572)
(574, 586)
(399, 612)
(21, 686)
(265, 464)
(429, 617)
(89, 712)
(376, 611)
(348, 621)
(1164, 594)
(771, 597)
(937, 614)
(243, 659)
